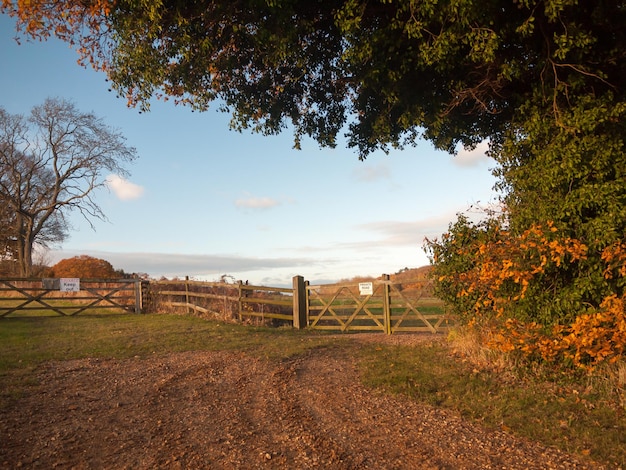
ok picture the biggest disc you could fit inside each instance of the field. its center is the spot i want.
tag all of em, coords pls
(167, 391)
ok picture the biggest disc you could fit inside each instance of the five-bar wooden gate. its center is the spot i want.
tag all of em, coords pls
(385, 308)
(19, 296)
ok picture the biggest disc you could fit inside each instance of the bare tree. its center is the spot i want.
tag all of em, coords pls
(50, 165)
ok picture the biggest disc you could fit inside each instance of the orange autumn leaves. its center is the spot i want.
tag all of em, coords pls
(76, 22)
(510, 270)
(591, 339)
(505, 266)
(86, 267)
(41, 18)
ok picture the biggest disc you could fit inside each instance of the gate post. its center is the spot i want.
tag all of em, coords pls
(299, 303)
(387, 303)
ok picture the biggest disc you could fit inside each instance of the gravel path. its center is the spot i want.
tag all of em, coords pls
(218, 410)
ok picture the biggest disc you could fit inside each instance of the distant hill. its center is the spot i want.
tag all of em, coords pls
(412, 274)
(410, 281)
(414, 281)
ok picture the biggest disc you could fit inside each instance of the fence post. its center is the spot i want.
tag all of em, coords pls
(387, 303)
(187, 294)
(239, 301)
(138, 296)
(299, 303)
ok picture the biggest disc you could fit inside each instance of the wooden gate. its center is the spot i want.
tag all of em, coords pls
(382, 306)
(39, 297)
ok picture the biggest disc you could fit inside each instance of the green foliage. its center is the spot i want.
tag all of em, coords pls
(572, 172)
(269, 63)
(458, 71)
(453, 254)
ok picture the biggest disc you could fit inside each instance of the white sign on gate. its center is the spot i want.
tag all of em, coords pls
(69, 284)
(366, 288)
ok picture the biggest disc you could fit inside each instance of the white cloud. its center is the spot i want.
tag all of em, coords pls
(397, 233)
(255, 202)
(401, 233)
(124, 189)
(472, 157)
(177, 264)
(373, 173)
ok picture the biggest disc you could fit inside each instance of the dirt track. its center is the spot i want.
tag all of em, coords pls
(229, 411)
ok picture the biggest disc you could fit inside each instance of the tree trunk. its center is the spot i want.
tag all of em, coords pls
(26, 263)
(24, 246)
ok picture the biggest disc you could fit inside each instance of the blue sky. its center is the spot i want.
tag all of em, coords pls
(204, 201)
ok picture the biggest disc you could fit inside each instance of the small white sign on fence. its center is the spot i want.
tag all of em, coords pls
(69, 284)
(366, 288)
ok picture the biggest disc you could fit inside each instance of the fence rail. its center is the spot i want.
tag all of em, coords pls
(239, 301)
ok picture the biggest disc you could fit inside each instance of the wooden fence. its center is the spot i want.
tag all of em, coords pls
(242, 302)
(379, 305)
(383, 306)
(32, 297)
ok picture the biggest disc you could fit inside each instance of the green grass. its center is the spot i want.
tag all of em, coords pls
(68, 307)
(431, 309)
(576, 415)
(564, 412)
(27, 342)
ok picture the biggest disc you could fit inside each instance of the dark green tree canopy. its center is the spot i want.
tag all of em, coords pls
(453, 71)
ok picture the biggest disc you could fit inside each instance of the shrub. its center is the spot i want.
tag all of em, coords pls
(85, 267)
(532, 292)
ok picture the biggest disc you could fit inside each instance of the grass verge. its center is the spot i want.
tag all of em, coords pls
(573, 415)
(27, 342)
